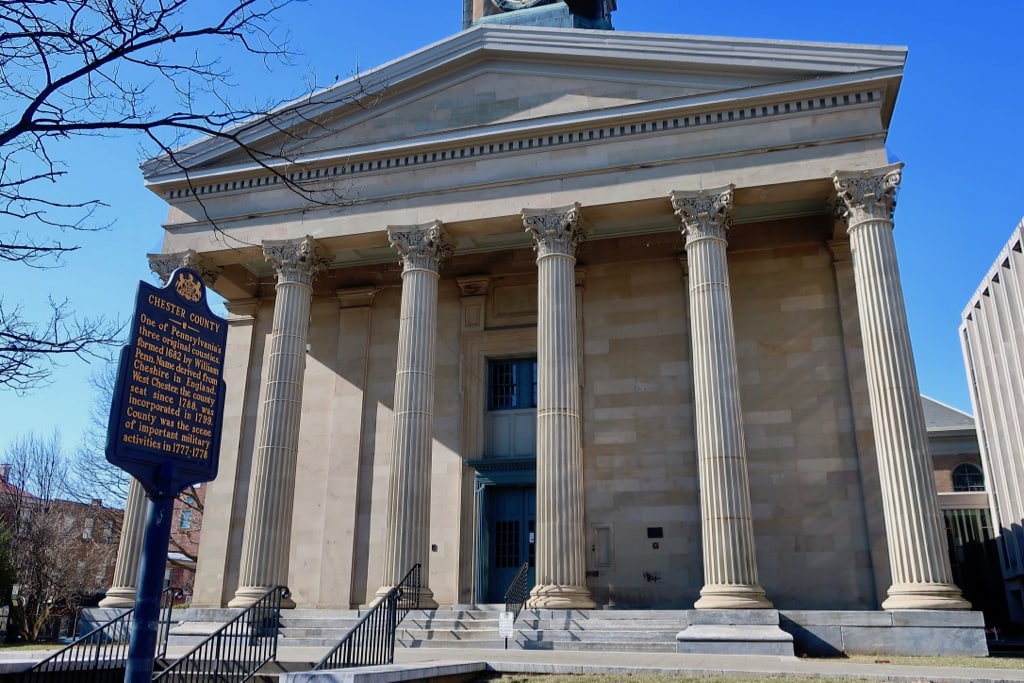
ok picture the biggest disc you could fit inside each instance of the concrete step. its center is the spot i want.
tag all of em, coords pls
(492, 644)
(453, 637)
(288, 620)
(601, 646)
(548, 621)
(592, 625)
(458, 637)
(516, 644)
(335, 634)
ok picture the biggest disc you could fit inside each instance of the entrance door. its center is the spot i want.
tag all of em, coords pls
(512, 532)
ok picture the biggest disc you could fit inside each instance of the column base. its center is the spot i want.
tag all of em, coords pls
(427, 600)
(249, 595)
(925, 596)
(119, 596)
(732, 596)
(560, 597)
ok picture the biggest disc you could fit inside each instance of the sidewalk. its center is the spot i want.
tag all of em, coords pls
(569, 662)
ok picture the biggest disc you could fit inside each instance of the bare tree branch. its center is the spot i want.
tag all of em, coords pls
(29, 349)
(72, 68)
(152, 68)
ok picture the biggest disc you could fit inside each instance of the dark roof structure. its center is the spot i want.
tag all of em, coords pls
(939, 416)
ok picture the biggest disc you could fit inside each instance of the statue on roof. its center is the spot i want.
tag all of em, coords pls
(512, 5)
(572, 13)
(591, 9)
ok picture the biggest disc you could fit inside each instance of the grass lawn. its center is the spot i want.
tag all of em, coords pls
(959, 662)
(956, 662)
(658, 678)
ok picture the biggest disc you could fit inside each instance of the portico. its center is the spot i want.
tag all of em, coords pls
(609, 336)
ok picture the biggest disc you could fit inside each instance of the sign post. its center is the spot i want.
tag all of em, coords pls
(164, 426)
(506, 626)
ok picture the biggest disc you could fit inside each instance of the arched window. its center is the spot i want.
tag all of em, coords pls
(968, 477)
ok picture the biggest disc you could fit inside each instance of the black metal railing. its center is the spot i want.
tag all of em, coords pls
(100, 655)
(372, 640)
(235, 651)
(518, 591)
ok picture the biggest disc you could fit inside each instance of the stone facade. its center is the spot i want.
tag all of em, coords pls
(702, 420)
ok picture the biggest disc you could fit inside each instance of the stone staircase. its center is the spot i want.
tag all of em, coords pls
(601, 630)
(472, 627)
(316, 627)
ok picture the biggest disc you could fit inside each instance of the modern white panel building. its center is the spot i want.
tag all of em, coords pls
(992, 334)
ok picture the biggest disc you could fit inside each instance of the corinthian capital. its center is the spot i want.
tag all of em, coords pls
(422, 247)
(704, 213)
(295, 260)
(165, 264)
(868, 195)
(554, 231)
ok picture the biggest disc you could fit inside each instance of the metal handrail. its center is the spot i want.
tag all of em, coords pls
(372, 640)
(105, 648)
(236, 650)
(518, 591)
(167, 598)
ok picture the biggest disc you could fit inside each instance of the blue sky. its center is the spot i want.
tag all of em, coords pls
(956, 126)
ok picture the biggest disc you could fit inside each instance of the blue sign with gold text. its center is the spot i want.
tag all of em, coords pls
(166, 415)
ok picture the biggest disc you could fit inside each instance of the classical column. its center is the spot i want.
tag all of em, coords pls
(561, 535)
(129, 550)
(422, 248)
(730, 563)
(267, 537)
(122, 591)
(917, 544)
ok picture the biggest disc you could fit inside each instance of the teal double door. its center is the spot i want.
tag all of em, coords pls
(511, 520)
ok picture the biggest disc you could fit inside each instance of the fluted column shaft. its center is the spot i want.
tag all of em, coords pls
(122, 591)
(422, 248)
(267, 537)
(916, 538)
(561, 534)
(730, 562)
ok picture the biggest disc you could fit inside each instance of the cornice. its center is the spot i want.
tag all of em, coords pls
(745, 105)
(692, 51)
(790, 60)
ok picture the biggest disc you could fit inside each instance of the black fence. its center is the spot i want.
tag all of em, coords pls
(235, 651)
(518, 591)
(371, 641)
(100, 655)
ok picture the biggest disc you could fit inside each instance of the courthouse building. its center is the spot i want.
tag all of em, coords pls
(621, 306)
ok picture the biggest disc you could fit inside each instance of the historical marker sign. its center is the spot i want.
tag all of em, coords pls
(166, 415)
(164, 426)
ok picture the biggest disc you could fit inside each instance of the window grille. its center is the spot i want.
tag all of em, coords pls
(968, 477)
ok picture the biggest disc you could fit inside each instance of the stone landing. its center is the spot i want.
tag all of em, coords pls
(832, 633)
(734, 632)
(900, 632)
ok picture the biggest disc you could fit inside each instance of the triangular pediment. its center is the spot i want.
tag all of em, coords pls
(492, 79)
